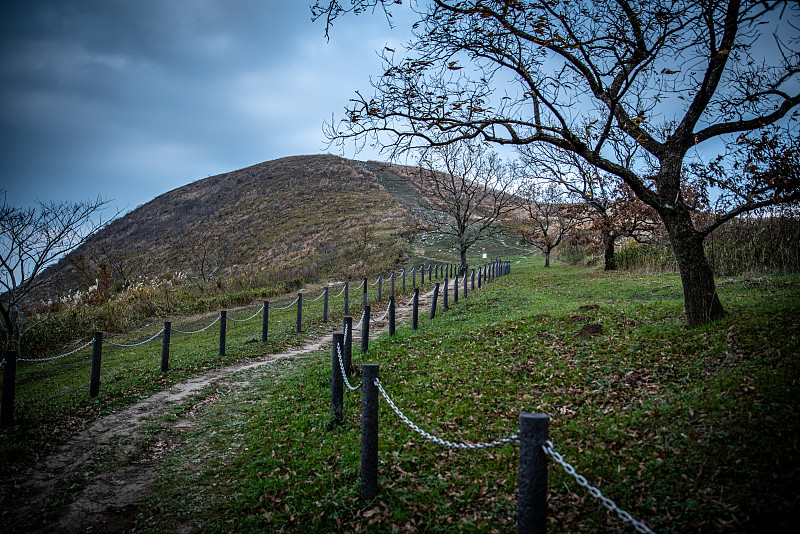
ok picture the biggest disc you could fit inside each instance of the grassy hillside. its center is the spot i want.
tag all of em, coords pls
(305, 217)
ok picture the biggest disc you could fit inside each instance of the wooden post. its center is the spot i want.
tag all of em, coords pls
(9, 389)
(325, 306)
(337, 383)
(97, 356)
(435, 298)
(415, 310)
(369, 431)
(347, 347)
(391, 316)
(265, 323)
(532, 492)
(299, 312)
(223, 328)
(365, 331)
(165, 346)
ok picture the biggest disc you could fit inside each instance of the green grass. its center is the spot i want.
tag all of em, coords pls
(689, 430)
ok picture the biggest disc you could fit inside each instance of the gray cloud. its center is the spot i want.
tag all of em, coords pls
(130, 99)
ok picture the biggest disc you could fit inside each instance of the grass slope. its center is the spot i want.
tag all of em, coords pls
(689, 430)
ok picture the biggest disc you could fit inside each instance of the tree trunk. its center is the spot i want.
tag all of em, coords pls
(547, 259)
(463, 268)
(700, 297)
(609, 240)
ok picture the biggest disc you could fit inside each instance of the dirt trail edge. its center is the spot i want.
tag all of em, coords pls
(106, 501)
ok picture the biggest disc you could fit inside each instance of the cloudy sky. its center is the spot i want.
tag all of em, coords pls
(129, 99)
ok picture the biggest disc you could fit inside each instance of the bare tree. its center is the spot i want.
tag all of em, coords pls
(30, 240)
(548, 215)
(638, 89)
(470, 189)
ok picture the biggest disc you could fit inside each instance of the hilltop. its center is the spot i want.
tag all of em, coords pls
(298, 217)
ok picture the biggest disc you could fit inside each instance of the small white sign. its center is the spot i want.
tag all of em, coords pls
(484, 255)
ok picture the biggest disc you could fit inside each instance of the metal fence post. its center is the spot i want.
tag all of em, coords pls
(430, 269)
(473, 279)
(423, 274)
(391, 316)
(325, 306)
(337, 383)
(465, 283)
(455, 289)
(365, 330)
(446, 291)
(223, 328)
(165, 346)
(435, 298)
(380, 288)
(414, 277)
(392, 284)
(265, 323)
(415, 310)
(347, 347)
(97, 356)
(347, 298)
(532, 492)
(299, 312)
(369, 431)
(9, 388)
(404, 281)
(364, 299)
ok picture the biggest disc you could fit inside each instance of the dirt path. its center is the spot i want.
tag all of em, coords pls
(105, 500)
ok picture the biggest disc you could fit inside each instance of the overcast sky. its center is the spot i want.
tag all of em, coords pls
(129, 99)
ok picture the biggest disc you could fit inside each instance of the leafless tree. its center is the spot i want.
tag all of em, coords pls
(30, 240)
(470, 190)
(547, 216)
(640, 90)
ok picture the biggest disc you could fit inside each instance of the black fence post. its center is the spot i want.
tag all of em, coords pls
(430, 269)
(265, 323)
(446, 291)
(480, 276)
(97, 356)
(380, 288)
(369, 431)
(415, 310)
(423, 274)
(365, 330)
(364, 299)
(404, 281)
(437, 271)
(347, 298)
(165, 346)
(392, 284)
(347, 347)
(391, 316)
(435, 298)
(299, 312)
(455, 289)
(9, 388)
(414, 277)
(465, 283)
(473, 279)
(337, 383)
(223, 328)
(325, 306)
(532, 492)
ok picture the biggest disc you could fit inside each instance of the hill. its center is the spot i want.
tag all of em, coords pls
(301, 217)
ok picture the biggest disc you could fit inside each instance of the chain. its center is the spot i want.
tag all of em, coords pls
(289, 306)
(341, 366)
(407, 304)
(382, 317)
(135, 344)
(342, 291)
(201, 330)
(440, 441)
(54, 357)
(249, 318)
(319, 297)
(358, 326)
(359, 286)
(376, 281)
(594, 492)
